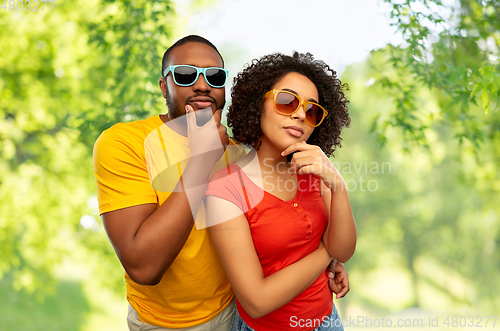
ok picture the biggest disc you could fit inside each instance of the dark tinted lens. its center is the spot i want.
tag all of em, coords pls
(286, 103)
(185, 75)
(314, 114)
(216, 77)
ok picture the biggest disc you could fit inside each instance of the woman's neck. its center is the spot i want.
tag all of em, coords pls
(270, 158)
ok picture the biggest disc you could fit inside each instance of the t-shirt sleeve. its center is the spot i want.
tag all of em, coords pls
(226, 186)
(121, 172)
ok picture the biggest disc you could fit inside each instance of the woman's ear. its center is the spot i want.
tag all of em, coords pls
(260, 144)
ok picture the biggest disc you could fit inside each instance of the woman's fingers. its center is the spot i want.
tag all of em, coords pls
(300, 146)
(311, 157)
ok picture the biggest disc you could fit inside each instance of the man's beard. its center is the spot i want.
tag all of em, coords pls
(174, 108)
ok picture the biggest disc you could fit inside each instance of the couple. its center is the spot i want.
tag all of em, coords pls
(276, 248)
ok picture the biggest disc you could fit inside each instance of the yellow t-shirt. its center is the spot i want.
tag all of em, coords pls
(194, 289)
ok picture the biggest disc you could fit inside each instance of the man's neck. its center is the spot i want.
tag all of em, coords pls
(178, 125)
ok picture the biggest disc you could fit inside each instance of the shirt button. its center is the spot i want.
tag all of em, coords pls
(309, 234)
(295, 204)
(300, 210)
(308, 226)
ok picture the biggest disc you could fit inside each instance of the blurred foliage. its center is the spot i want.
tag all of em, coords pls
(65, 76)
(435, 105)
(131, 37)
(432, 210)
(65, 310)
(42, 193)
(451, 47)
(68, 74)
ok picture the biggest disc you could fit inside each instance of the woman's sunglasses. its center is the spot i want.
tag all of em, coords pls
(287, 103)
(185, 75)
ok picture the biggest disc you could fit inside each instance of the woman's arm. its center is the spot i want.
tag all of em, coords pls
(340, 234)
(257, 294)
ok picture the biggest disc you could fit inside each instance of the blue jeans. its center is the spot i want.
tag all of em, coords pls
(331, 323)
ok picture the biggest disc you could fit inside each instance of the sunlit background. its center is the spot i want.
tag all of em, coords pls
(421, 157)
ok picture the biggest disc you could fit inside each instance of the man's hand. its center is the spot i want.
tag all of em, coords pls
(338, 280)
(211, 138)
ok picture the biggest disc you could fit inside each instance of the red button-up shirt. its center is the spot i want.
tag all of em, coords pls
(283, 232)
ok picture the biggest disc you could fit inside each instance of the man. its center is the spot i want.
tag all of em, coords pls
(173, 276)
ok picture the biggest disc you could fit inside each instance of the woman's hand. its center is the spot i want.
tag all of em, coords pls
(310, 159)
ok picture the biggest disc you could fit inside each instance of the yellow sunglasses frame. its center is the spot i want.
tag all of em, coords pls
(302, 102)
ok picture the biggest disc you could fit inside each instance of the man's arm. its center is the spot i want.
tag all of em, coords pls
(147, 240)
(338, 280)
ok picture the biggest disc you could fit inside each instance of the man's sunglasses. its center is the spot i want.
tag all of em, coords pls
(185, 75)
(287, 103)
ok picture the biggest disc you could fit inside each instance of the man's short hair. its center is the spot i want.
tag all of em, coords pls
(185, 40)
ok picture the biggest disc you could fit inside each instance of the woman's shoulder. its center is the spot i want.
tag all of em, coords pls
(225, 172)
(225, 180)
(225, 184)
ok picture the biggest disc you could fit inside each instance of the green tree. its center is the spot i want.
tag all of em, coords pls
(432, 213)
(453, 51)
(442, 87)
(65, 75)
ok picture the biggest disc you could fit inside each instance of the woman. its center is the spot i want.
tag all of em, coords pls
(277, 219)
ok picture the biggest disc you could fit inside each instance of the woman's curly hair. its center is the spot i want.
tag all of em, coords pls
(261, 76)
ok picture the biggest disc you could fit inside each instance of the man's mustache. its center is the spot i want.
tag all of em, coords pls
(188, 100)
